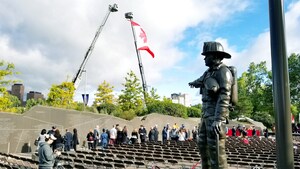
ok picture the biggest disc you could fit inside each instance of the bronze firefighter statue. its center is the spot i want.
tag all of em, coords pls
(219, 94)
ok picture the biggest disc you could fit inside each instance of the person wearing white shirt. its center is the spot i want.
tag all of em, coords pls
(181, 135)
(112, 135)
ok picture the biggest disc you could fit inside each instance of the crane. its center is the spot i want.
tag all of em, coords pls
(76, 80)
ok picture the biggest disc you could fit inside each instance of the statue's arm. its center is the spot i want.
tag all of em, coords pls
(196, 83)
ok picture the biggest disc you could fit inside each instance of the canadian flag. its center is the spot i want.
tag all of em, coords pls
(141, 38)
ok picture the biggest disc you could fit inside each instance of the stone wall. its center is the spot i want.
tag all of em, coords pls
(18, 132)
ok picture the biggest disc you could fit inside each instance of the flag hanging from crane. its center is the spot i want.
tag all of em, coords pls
(141, 38)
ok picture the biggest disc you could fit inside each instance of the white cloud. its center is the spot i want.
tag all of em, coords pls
(47, 40)
(292, 23)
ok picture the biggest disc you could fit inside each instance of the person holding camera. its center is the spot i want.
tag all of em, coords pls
(46, 154)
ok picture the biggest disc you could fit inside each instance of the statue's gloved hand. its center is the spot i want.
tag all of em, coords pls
(217, 126)
(191, 84)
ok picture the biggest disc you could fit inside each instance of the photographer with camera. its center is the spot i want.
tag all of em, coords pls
(46, 155)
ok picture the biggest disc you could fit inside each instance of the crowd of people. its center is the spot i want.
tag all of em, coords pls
(51, 142)
(246, 132)
(119, 135)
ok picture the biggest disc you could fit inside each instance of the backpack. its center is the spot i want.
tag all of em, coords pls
(173, 133)
(234, 86)
(36, 141)
(90, 138)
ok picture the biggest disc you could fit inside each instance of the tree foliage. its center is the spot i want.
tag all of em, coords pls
(264, 117)
(255, 94)
(5, 103)
(259, 87)
(62, 95)
(8, 102)
(6, 69)
(194, 112)
(108, 108)
(33, 102)
(127, 115)
(168, 108)
(155, 107)
(244, 106)
(151, 96)
(131, 97)
(104, 94)
(294, 77)
(198, 106)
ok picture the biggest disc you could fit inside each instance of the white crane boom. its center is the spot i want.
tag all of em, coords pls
(78, 76)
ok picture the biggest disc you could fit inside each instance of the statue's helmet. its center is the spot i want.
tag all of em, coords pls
(215, 48)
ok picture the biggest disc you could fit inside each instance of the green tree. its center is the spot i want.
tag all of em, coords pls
(294, 77)
(6, 69)
(167, 100)
(174, 109)
(62, 95)
(127, 115)
(131, 97)
(168, 108)
(259, 87)
(265, 118)
(194, 112)
(79, 106)
(33, 102)
(14, 100)
(198, 106)
(7, 102)
(155, 107)
(104, 94)
(244, 106)
(108, 108)
(294, 111)
(151, 96)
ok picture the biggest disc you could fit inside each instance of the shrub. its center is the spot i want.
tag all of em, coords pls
(127, 115)
(194, 112)
(108, 108)
(167, 108)
(155, 106)
(176, 110)
(264, 117)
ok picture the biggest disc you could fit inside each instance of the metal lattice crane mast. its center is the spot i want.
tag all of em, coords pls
(78, 76)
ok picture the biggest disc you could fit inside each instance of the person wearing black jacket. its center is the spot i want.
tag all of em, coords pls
(75, 141)
(58, 143)
(142, 133)
(134, 136)
(68, 138)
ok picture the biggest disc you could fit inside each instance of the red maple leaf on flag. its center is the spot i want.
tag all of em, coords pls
(142, 38)
(143, 35)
